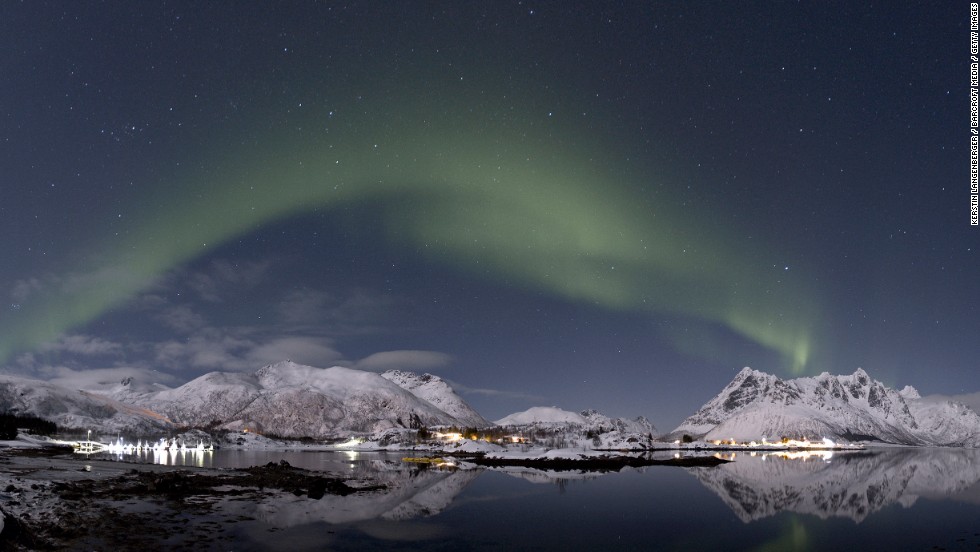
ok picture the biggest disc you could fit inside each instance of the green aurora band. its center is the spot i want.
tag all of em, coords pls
(494, 196)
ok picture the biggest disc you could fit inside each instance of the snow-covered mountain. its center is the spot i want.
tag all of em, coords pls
(541, 415)
(292, 400)
(549, 417)
(284, 399)
(434, 390)
(72, 409)
(603, 423)
(589, 428)
(849, 407)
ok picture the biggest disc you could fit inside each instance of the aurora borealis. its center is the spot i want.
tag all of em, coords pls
(207, 189)
(544, 219)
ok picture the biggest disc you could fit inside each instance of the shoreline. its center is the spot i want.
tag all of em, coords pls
(54, 501)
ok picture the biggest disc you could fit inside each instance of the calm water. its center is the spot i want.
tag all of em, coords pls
(876, 500)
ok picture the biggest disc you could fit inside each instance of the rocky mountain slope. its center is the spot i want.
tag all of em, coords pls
(434, 390)
(292, 400)
(589, 428)
(72, 409)
(551, 416)
(849, 407)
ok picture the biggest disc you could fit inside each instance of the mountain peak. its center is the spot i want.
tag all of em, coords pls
(436, 391)
(542, 415)
(401, 374)
(748, 373)
(279, 366)
(551, 417)
(909, 392)
(855, 406)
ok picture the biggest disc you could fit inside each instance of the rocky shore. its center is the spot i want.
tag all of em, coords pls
(53, 501)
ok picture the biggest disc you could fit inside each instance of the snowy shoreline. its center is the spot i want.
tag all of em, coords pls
(54, 499)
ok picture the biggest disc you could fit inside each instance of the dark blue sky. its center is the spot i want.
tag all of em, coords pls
(588, 205)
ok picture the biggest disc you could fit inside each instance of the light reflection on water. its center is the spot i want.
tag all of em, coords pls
(802, 455)
(891, 499)
(341, 462)
(169, 457)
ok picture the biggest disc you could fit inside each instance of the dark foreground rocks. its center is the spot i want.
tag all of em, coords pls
(180, 509)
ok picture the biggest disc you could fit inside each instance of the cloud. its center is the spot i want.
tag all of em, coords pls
(312, 351)
(466, 390)
(304, 306)
(23, 289)
(181, 318)
(53, 304)
(970, 399)
(355, 312)
(106, 378)
(208, 349)
(403, 360)
(101, 278)
(222, 277)
(243, 349)
(83, 345)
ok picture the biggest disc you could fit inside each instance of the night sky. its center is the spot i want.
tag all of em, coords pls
(586, 205)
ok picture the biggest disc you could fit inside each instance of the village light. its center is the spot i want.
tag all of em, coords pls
(350, 443)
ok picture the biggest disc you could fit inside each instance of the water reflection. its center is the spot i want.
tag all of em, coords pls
(851, 485)
(825, 484)
(409, 494)
(416, 500)
(177, 457)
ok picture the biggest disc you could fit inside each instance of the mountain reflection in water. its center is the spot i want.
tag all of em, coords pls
(851, 485)
(881, 499)
(824, 484)
(409, 494)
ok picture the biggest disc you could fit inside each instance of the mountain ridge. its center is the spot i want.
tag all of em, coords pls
(283, 399)
(294, 400)
(844, 407)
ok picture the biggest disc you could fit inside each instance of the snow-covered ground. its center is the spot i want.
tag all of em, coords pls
(67, 501)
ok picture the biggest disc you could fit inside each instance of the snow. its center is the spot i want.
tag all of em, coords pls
(590, 429)
(437, 392)
(846, 407)
(542, 415)
(74, 409)
(476, 446)
(294, 400)
(909, 392)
